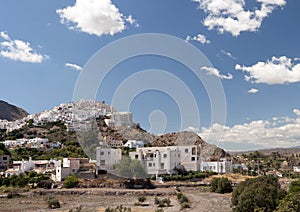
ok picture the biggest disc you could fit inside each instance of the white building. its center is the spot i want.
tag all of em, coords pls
(132, 144)
(296, 169)
(165, 160)
(220, 167)
(70, 166)
(40, 166)
(119, 119)
(106, 157)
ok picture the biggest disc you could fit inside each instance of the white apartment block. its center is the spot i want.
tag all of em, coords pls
(106, 157)
(165, 160)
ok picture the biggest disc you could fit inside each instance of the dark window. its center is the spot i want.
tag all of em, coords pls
(101, 153)
(186, 150)
(136, 157)
(165, 155)
(162, 165)
(4, 158)
(102, 162)
(194, 151)
(193, 158)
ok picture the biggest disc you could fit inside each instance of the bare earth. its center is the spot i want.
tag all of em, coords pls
(99, 199)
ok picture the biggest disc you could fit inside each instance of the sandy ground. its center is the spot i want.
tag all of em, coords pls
(96, 200)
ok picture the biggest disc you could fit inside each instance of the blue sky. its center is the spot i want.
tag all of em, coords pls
(253, 46)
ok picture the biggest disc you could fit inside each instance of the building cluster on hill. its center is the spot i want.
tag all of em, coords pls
(75, 115)
(37, 143)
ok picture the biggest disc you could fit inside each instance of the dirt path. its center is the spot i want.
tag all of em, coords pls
(99, 199)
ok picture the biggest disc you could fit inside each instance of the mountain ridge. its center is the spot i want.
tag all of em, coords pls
(11, 112)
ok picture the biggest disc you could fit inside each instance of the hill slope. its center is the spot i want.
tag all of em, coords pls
(11, 112)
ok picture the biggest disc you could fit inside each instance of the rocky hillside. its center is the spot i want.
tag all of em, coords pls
(11, 112)
(171, 139)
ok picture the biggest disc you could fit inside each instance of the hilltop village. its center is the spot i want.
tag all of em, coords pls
(89, 144)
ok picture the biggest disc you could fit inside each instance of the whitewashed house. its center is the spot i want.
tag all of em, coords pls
(220, 167)
(165, 160)
(132, 144)
(106, 157)
(296, 169)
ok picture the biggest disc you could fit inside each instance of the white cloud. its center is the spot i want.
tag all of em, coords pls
(231, 15)
(96, 17)
(297, 112)
(279, 132)
(278, 70)
(18, 50)
(228, 54)
(253, 90)
(192, 129)
(216, 72)
(200, 38)
(73, 66)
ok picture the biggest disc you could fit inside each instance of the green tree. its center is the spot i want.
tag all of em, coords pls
(128, 168)
(291, 203)
(221, 185)
(257, 194)
(295, 186)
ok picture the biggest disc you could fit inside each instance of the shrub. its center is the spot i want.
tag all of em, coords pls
(167, 201)
(52, 202)
(13, 194)
(71, 181)
(156, 201)
(142, 199)
(118, 209)
(185, 205)
(262, 193)
(159, 210)
(221, 185)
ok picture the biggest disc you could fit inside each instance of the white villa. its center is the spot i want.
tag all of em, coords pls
(132, 144)
(106, 157)
(220, 167)
(165, 160)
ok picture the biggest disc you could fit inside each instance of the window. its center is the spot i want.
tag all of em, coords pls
(73, 170)
(101, 153)
(108, 153)
(193, 158)
(194, 151)
(4, 158)
(165, 155)
(102, 162)
(136, 157)
(186, 150)
(150, 164)
(162, 165)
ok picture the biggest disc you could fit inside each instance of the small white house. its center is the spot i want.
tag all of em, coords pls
(132, 144)
(220, 167)
(296, 169)
(106, 157)
(68, 167)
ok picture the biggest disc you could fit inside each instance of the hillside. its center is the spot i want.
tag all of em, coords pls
(11, 112)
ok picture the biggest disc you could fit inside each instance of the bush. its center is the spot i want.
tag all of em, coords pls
(221, 185)
(295, 186)
(142, 199)
(185, 205)
(167, 201)
(118, 209)
(156, 201)
(13, 194)
(159, 210)
(257, 194)
(52, 202)
(290, 203)
(71, 181)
